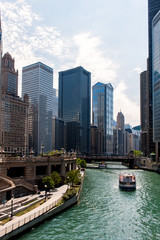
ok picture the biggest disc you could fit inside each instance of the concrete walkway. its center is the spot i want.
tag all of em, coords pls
(54, 195)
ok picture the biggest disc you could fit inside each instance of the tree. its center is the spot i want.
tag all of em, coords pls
(56, 178)
(81, 162)
(73, 177)
(48, 182)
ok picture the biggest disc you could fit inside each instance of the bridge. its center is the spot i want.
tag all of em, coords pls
(128, 160)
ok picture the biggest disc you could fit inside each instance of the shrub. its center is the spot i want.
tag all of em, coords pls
(69, 194)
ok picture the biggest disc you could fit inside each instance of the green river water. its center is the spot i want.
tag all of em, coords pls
(105, 212)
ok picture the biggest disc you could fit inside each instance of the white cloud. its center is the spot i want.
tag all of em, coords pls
(94, 59)
(137, 69)
(29, 40)
(129, 109)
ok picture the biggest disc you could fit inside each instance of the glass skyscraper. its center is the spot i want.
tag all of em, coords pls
(74, 108)
(102, 113)
(156, 77)
(153, 8)
(37, 82)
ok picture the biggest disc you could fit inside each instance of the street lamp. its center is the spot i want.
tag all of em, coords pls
(42, 147)
(12, 207)
(45, 192)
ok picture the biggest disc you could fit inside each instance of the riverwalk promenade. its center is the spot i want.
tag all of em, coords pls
(20, 224)
(21, 221)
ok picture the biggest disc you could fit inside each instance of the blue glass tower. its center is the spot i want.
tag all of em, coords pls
(37, 82)
(156, 77)
(153, 8)
(74, 108)
(102, 112)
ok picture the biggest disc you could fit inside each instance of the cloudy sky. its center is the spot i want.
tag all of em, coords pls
(106, 37)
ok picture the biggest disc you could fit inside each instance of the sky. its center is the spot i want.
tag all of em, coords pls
(108, 38)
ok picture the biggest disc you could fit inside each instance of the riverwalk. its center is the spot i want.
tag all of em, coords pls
(18, 222)
(21, 224)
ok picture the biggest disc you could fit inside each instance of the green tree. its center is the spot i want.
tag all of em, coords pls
(48, 181)
(56, 178)
(73, 177)
(81, 162)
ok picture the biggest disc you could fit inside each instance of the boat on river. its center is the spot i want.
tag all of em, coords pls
(102, 165)
(127, 181)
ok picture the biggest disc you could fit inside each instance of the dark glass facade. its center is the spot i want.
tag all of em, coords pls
(143, 111)
(74, 108)
(156, 77)
(102, 112)
(153, 8)
(37, 82)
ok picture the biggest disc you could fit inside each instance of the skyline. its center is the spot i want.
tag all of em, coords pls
(113, 53)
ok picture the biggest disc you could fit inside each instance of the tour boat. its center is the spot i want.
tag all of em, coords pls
(127, 181)
(102, 165)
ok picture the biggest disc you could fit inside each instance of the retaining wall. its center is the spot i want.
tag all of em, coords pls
(36, 216)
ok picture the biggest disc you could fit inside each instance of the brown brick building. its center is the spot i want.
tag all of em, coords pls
(14, 111)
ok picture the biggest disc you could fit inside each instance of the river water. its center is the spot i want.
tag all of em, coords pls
(105, 212)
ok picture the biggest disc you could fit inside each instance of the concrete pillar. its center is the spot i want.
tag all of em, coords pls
(63, 171)
(70, 167)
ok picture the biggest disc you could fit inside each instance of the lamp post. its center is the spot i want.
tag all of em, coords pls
(45, 192)
(42, 147)
(12, 207)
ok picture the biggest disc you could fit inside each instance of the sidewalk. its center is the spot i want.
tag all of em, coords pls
(54, 196)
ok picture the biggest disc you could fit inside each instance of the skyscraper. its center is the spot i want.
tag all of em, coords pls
(14, 118)
(9, 75)
(156, 79)
(37, 82)
(74, 108)
(0, 78)
(120, 121)
(55, 103)
(153, 8)
(143, 111)
(102, 112)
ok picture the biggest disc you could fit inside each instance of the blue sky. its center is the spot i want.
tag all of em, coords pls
(106, 37)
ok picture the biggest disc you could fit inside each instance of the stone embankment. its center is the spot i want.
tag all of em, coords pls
(48, 209)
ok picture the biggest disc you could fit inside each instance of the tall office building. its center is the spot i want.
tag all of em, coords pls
(14, 118)
(9, 75)
(74, 108)
(37, 82)
(58, 133)
(153, 8)
(120, 121)
(102, 112)
(0, 78)
(156, 79)
(55, 103)
(143, 111)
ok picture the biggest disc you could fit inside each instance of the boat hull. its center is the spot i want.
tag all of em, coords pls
(127, 187)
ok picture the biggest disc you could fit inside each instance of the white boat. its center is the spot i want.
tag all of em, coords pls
(127, 181)
(102, 165)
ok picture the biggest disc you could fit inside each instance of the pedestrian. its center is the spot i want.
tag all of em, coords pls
(3, 202)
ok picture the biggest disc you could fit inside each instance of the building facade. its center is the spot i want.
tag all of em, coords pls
(153, 8)
(156, 79)
(74, 108)
(96, 141)
(102, 113)
(58, 133)
(37, 82)
(9, 75)
(14, 111)
(120, 121)
(55, 103)
(143, 111)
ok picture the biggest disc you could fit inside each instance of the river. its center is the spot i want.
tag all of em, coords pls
(105, 212)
